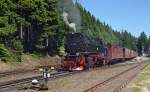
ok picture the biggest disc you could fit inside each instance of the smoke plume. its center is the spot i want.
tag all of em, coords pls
(70, 13)
(71, 25)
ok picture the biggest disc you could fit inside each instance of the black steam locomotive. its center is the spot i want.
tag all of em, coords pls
(79, 42)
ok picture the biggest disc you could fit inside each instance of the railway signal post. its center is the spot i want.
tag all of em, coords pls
(46, 75)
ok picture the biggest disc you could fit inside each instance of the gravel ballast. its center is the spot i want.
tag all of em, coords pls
(81, 81)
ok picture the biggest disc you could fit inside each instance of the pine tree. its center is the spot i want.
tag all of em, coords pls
(30, 25)
(95, 28)
(141, 44)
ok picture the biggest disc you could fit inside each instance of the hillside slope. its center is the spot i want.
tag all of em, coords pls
(37, 26)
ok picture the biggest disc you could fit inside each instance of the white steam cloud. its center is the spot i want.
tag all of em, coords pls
(65, 18)
(71, 14)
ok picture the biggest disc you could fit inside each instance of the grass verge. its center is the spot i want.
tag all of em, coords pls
(141, 80)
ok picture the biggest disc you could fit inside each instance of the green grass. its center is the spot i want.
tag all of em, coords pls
(141, 79)
(136, 89)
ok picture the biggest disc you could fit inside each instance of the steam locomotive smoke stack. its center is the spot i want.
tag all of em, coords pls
(71, 25)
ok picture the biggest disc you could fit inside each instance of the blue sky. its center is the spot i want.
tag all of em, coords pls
(132, 15)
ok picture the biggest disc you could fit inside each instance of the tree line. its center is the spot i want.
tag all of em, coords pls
(37, 26)
(96, 28)
(143, 44)
(29, 26)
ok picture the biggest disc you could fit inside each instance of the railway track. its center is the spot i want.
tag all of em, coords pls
(20, 71)
(123, 84)
(118, 89)
(7, 84)
(116, 65)
(4, 74)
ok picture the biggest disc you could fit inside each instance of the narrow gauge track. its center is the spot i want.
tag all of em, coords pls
(122, 85)
(7, 84)
(4, 74)
(117, 65)
(11, 83)
(118, 89)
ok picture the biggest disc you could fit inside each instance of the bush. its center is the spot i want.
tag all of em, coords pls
(4, 53)
(18, 46)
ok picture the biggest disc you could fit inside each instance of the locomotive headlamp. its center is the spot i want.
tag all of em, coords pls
(97, 49)
(72, 33)
(77, 53)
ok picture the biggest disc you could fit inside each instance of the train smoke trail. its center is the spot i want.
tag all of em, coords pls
(70, 14)
(71, 25)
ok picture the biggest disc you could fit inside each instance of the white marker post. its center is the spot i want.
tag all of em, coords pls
(46, 75)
